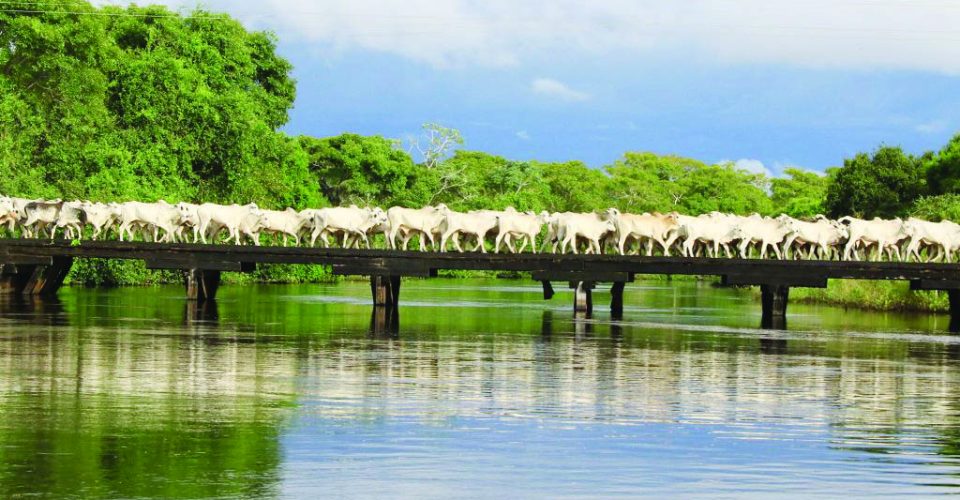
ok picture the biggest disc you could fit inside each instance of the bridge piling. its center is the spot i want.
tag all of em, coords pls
(41, 279)
(582, 296)
(385, 291)
(385, 316)
(616, 299)
(773, 299)
(201, 284)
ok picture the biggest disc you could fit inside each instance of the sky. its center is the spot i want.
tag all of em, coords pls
(766, 83)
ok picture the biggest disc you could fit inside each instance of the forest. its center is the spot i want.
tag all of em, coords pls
(142, 103)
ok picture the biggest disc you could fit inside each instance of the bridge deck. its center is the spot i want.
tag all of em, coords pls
(596, 268)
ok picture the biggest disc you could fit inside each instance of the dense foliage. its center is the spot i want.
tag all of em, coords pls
(140, 103)
(882, 184)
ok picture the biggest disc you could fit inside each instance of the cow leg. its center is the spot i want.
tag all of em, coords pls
(444, 238)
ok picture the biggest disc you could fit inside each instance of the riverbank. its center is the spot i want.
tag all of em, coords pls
(873, 296)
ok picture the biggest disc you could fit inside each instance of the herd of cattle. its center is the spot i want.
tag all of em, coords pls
(437, 227)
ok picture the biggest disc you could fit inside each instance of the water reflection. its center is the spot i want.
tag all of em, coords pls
(285, 391)
(39, 310)
(205, 311)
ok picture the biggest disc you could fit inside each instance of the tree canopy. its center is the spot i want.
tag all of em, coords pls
(144, 103)
(943, 169)
(882, 184)
(799, 193)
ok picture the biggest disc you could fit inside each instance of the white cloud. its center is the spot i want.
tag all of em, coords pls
(753, 166)
(552, 88)
(931, 127)
(523, 135)
(897, 34)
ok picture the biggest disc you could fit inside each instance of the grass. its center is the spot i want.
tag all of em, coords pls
(872, 295)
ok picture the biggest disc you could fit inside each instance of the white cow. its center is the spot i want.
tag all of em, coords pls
(885, 234)
(235, 219)
(100, 216)
(160, 217)
(715, 230)
(823, 236)
(71, 218)
(764, 231)
(351, 222)
(943, 236)
(288, 223)
(524, 227)
(20, 209)
(423, 221)
(477, 224)
(39, 215)
(190, 218)
(591, 227)
(8, 214)
(645, 228)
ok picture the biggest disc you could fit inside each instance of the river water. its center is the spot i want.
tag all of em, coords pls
(487, 390)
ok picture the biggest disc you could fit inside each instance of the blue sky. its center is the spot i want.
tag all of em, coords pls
(770, 83)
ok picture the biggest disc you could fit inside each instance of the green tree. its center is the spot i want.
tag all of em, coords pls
(723, 188)
(575, 187)
(360, 169)
(436, 144)
(646, 182)
(884, 184)
(799, 194)
(143, 103)
(937, 208)
(943, 168)
(471, 180)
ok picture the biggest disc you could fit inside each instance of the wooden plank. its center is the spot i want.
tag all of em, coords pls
(192, 263)
(774, 280)
(927, 284)
(605, 277)
(32, 260)
(373, 270)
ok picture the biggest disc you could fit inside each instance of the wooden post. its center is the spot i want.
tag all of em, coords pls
(197, 310)
(385, 321)
(774, 303)
(546, 324)
(14, 278)
(385, 317)
(202, 284)
(47, 280)
(954, 298)
(616, 299)
(582, 297)
(547, 290)
(385, 290)
(39, 280)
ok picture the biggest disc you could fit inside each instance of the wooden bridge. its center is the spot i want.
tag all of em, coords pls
(38, 267)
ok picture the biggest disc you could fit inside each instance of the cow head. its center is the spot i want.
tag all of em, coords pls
(188, 214)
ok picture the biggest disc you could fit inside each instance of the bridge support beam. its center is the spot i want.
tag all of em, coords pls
(616, 299)
(385, 317)
(774, 302)
(202, 284)
(954, 298)
(41, 280)
(582, 296)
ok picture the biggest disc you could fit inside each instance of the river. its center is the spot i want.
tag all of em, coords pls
(487, 390)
